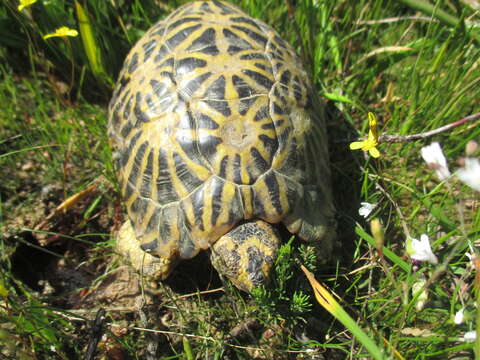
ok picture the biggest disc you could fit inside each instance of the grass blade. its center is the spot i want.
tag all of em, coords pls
(431, 10)
(327, 301)
(434, 11)
(387, 252)
(92, 50)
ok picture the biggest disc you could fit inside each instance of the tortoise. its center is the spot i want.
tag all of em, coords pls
(217, 139)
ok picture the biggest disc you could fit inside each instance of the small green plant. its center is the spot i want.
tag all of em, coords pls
(284, 299)
(31, 326)
(300, 303)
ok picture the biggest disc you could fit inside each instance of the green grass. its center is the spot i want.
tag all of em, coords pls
(415, 74)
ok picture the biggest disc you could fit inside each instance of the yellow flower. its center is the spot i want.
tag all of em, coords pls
(62, 32)
(24, 3)
(372, 141)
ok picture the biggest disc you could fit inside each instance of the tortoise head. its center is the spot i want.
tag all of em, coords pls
(246, 254)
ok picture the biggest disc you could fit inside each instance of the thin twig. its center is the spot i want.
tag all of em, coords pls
(395, 19)
(397, 209)
(207, 338)
(424, 135)
(204, 292)
(406, 18)
(166, 332)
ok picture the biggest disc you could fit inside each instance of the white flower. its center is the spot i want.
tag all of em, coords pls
(470, 174)
(421, 250)
(470, 336)
(423, 296)
(458, 317)
(471, 258)
(366, 209)
(433, 156)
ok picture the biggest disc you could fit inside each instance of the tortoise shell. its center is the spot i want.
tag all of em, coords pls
(213, 123)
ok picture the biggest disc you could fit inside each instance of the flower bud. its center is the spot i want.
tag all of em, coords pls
(471, 148)
(377, 232)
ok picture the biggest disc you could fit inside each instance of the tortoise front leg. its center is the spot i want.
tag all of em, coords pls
(157, 268)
